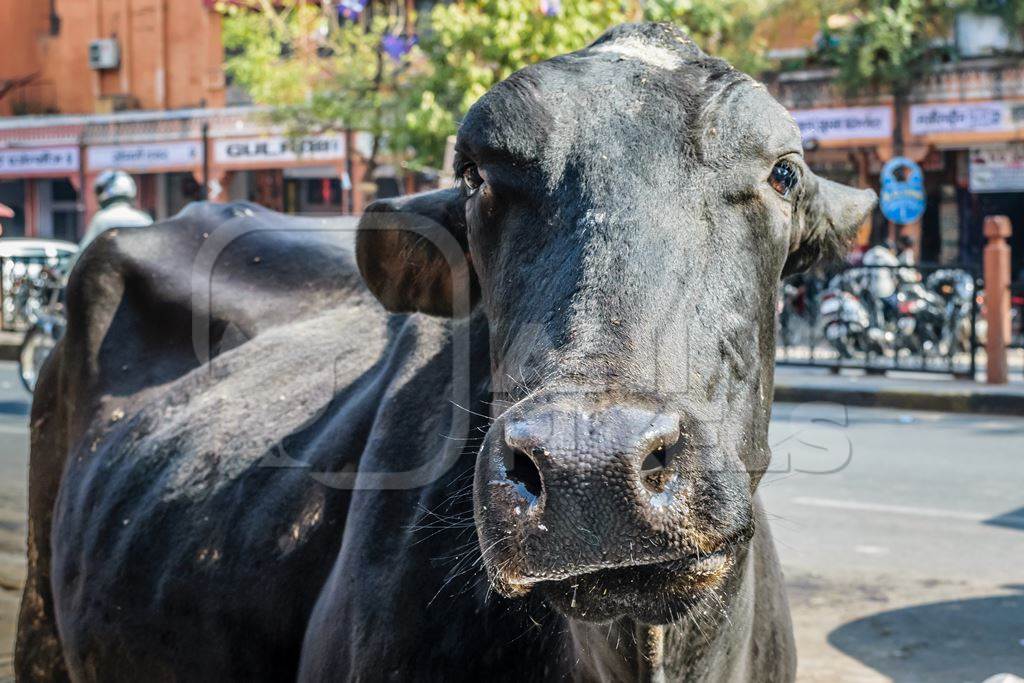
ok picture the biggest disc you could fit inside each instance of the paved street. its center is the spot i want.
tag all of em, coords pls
(905, 563)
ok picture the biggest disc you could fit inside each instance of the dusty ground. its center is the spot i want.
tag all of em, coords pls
(904, 564)
(890, 630)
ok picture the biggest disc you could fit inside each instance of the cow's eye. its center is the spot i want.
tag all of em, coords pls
(783, 178)
(471, 178)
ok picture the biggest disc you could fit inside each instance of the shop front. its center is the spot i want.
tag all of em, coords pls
(971, 153)
(308, 175)
(237, 152)
(166, 173)
(981, 143)
(39, 185)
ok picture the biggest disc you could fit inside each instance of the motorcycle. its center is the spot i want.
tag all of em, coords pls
(955, 289)
(846, 320)
(920, 320)
(881, 308)
(40, 299)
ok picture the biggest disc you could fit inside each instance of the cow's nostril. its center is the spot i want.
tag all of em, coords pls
(654, 472)
(525, 475)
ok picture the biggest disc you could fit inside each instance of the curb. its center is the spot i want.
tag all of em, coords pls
(989, 402)
(992, 402)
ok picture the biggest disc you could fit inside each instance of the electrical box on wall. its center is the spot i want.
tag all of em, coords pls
(104, 54)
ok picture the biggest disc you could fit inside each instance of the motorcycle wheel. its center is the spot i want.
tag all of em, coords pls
(34, 351)
(840, 343)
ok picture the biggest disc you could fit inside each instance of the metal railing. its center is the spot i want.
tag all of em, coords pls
(924, 318)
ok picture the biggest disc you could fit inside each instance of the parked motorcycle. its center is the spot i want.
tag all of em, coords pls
(846, 318)
(41, 304)
(920, 320)
(882, 307)
(955, 288)
(798, 308)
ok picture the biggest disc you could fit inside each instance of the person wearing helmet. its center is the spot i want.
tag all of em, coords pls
(116, 193)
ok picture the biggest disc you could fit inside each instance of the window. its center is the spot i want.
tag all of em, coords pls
(64, 209)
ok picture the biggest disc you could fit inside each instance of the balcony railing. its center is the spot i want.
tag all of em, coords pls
(994, 78)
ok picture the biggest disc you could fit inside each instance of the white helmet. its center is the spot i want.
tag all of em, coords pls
(113, 185)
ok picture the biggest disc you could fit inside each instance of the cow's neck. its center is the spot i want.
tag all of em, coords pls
(712, 643)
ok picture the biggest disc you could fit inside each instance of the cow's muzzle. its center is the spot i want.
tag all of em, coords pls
(564, 490)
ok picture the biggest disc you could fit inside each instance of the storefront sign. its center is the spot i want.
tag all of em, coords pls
(902, 197)
(966, 117)
(852, 123)
(53, 160)
(146, 157)
(259, 151)
(997, 170)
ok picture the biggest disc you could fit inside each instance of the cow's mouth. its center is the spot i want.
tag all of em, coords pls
(688, 565)
(654, 592)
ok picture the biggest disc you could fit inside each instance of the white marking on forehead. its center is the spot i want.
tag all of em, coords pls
(635, 48)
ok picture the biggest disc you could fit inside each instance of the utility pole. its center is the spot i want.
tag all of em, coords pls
(899, 105)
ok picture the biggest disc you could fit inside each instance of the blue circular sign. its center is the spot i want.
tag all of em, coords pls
(902, 197)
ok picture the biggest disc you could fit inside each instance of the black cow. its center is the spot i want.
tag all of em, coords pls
(539, 462)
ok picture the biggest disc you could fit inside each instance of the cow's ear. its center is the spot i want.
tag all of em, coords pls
(826, 222)
(412, 253)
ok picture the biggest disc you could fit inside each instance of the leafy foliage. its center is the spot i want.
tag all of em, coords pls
(473, 45)
(890, 43)
(323, 72)
(318, 70)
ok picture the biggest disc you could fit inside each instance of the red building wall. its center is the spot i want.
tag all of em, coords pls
(171, 55)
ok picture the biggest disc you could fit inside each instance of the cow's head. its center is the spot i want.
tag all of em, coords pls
(627, 211)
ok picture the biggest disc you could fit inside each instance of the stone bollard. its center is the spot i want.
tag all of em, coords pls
(997, 296)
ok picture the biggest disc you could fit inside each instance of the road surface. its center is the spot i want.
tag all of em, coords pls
(906, 562)
(901, 534)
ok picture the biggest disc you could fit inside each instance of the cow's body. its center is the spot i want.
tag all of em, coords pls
(195, 548)
(244, 468)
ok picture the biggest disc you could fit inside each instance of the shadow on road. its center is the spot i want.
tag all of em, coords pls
(1011, 520)
(955, 641)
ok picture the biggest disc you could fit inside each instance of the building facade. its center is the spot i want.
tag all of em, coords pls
(139, 85)
(100, 56)
(963, 124)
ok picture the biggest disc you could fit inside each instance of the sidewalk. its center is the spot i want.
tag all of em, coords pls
(905, 390)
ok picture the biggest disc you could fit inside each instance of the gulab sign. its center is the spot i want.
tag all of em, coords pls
(259, 151)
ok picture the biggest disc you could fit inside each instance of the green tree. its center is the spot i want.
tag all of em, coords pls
(473, 45)
(322, 73)
(889, 44)
(319, 71)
